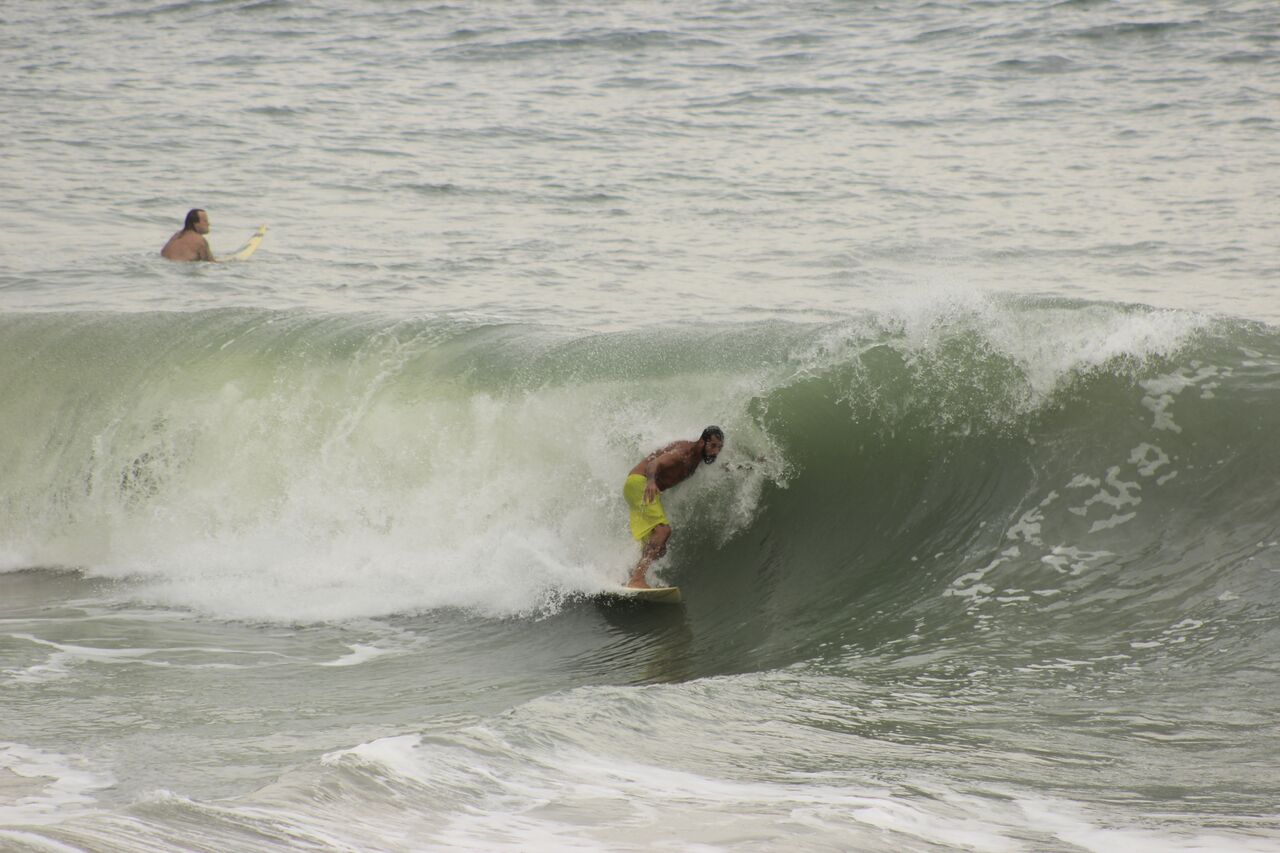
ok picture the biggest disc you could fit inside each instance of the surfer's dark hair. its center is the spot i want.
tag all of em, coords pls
(193, 217)
(712, 431)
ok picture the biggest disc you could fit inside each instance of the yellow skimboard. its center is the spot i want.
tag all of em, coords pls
(246, 251)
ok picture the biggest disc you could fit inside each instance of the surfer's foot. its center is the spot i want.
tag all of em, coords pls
(637, 584)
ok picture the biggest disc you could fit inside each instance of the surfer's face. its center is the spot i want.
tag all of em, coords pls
(202, 223)
(712, 449)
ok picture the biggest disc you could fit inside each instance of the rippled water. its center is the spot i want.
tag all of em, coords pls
(645, 161)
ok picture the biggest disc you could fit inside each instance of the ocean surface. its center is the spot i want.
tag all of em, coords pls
(304, 552)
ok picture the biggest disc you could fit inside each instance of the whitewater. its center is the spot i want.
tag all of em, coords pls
(305, 552)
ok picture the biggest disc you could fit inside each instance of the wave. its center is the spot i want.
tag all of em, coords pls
(949, 462)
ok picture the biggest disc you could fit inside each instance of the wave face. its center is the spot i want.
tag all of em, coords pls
(1094, 467)
(966, 556)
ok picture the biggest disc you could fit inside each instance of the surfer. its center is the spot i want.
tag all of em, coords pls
(189, 244)
(656, 473)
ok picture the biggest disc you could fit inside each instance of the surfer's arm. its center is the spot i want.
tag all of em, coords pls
(651, 479)
(654, 463)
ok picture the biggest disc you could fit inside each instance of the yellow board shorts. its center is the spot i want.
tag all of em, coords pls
(644, 517)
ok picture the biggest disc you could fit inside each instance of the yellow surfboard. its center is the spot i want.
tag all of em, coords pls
(247, 250)
(656, 595)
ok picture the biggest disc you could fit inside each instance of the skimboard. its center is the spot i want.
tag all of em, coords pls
(656, 595)
(247, 250)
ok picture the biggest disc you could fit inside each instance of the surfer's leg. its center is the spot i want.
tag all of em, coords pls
(654, 547)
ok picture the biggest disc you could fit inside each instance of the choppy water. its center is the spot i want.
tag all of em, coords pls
(300, 553)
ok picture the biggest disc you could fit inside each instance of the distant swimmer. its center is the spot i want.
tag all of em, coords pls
(659, 471)
(190, 244)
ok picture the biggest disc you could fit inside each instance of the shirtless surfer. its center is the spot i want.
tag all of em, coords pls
(657, 472)
(189, 244)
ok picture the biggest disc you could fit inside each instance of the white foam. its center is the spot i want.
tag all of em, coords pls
(38, 842)
(359, 654)
(341, 505)
(13, 560)
(1048, 343)
(527, 799)
(395, 753)
(1072, 826)
(65, 656)
(46, 787)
